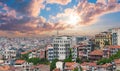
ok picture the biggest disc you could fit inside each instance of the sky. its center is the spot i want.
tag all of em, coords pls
(69, 17)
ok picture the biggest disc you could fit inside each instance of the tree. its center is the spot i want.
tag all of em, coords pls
(69, 59)
(44, 61)
(110, 59)
(106, 42)
(76, 69)
(78, 60)
(35, 61)
(25, 56)
(53, 64)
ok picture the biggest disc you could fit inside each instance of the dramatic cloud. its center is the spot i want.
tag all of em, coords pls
(62, 2)
(22, 17)
(86, 13)
(26, 7)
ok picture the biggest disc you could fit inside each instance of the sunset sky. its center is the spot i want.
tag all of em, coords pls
(44, 17)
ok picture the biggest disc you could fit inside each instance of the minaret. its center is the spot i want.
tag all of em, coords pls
(57, 32)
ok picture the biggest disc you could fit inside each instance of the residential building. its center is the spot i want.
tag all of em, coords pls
(84, 50)
(102, 39)
(50, 52)
(74, 53)
(89, 66)
(70, 66)
(60, 65)
(105, 67)
(22, 65)
(110, 50)
(95, 55)
(62, 45)
(6, 68)
(117, 63)
(41, 53)
(9, 53)
(115, 36)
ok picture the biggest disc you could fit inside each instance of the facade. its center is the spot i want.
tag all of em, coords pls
(102, 39)
(59, 65)
(115, 36)
(89, 66)
(110, 50)
(62, 45)
(50, 52)
(95, 55)
(70, 66)
(74, 53)
(84, 50)
(42, 53)
(117, 63)
(9, 53)
(105, 67)
(22, 65)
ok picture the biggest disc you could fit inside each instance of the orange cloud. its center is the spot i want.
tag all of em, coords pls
(62, 2)
(34, 7)
(30, 23)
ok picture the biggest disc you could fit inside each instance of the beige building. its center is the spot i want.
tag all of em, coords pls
(102, 39)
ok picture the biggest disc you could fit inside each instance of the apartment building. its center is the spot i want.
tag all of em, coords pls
(70, 66)
(22, 65)
(115, 36)
(110, 50)
(62, 45)
(102, 39)
(50, 52)
(95, 55)
(84, 50)
(9, 53)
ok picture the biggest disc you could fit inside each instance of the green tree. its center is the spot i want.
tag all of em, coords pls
(76, 69)
(69, 59)
(35, 61)
(106, 42)
(110, 59)
(44, 61)
(53, 64)
(78, 60)
(25, 56)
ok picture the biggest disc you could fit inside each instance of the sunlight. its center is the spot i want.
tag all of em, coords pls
(73, 19)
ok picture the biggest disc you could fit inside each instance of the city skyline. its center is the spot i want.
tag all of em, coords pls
(45, 17)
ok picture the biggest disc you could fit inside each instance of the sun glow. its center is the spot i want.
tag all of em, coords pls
(73, 19)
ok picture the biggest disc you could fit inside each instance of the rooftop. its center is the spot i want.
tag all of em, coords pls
(19, 61)
(96, 52)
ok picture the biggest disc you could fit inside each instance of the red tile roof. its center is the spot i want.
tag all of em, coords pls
(106, 65)
(115, 46)
(89, 64)
(70, 65)
(4, 68)
(56, 69)
(19, 61)
(96, 52)
(24, 52)
(117, 61)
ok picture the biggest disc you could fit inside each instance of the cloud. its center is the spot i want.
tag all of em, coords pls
(48, 9)
(21, 17)
(87, 13)
(25, 7)
(62, 2)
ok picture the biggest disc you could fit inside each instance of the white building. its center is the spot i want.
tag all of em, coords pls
(9, 53)
(59, 65)
(62, 45)
(115, 36)
(22, 65)
(50, 53)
